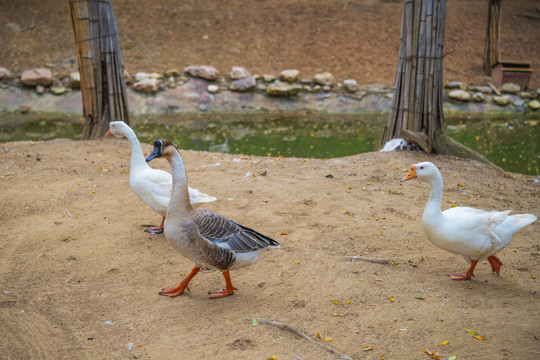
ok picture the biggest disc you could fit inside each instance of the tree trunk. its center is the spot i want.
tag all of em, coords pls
(492, 55)
(101, 66)
(417, 109)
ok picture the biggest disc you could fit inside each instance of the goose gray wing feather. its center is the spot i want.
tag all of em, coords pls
(221, 230)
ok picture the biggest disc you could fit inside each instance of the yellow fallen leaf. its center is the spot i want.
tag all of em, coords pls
(368, 348)
(480, 337)
(335, 302)
(432, 354)
(469, 331)
(319, 336)
(533, 277)
(329, 339)
(392, 299)
(336, 314)
(348, 302)
(283, 233)
(444, 343)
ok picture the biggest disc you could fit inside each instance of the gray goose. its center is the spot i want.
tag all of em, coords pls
(205, 237)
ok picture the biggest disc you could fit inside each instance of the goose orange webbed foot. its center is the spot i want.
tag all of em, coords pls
(496, 264)
(229, 288)
(460, 276)
(154, 230)
(175, 291)
(468, 275)
(179, 290)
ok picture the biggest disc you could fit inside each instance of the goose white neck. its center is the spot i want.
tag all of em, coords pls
(433, 207)
(137, 156)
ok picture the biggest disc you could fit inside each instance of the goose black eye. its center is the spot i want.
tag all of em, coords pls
(421, 167)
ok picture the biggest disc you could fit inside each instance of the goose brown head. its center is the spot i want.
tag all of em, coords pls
(162, 148)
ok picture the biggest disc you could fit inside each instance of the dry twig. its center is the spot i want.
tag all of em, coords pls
(368, 259)
(296, 331)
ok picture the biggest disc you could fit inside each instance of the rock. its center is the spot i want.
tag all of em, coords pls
(75, 80)
(147, 85)
(244, 84)
(5, 74)
(502, 100)
(58, 90)
(239, 72)
(456, 85)
(202, 71)
(459, 95)
(270, 78)
(172, 72)
(40, 89)
(526, 95)
(140, 76)
(350, 85)
(483, 89)
(127, 77)
(327, 88)
(510, 88)
(324, 79)
(283, 89)
(478, 97)
(212, 88)
(289, 75)
(36, 77)
(534, 105)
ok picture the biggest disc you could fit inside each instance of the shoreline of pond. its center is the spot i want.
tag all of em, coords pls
(194, 98)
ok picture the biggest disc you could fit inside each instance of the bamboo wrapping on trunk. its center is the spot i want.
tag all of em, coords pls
(101, 67)
(417, 104)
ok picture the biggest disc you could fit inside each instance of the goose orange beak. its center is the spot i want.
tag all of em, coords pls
(109, 133)
(410, 175)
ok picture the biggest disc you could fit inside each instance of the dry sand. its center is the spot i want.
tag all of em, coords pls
(74, 255)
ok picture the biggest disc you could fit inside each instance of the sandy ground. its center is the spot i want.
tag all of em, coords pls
(74, 256)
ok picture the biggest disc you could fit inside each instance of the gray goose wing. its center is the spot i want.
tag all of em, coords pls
(240, 239)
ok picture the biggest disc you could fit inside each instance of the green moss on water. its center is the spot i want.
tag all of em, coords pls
(511, 143)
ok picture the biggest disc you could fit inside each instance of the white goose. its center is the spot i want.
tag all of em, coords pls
(204, 237)
(152, 186)
(475, 234)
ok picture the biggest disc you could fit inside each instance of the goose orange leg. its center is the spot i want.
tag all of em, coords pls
(468, 275)
(496, 264)
(176, 291)
(229, 288)
(154, 230)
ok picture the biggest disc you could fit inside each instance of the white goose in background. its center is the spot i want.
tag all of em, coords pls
(204, 237)
(152, 186)
(475, 234)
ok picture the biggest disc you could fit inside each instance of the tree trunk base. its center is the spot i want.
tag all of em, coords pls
(444, 145)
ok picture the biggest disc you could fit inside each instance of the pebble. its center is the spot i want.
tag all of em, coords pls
(109, 323)
(510, 88)
(534, 105)
(239, 72)
(324, 79)
(290, 75)
(459, 95)
(212, 88)
(350, 85)
(202, 71)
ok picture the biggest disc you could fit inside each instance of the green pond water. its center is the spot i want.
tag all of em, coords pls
(511, 143)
